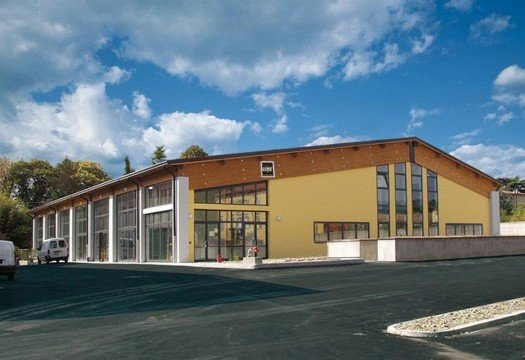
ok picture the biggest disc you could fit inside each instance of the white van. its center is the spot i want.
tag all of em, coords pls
(7, 259)
(53, 249)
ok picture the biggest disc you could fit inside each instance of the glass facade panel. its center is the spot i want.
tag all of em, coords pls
(127, 226)
(64, 224)
(101, 230)
(329, 231)
(464, 229)
(81, 245)
(51, 226)
(401, 199)
(159, 240)
(383, 201)
(39, 231)
(229, 234)
(432, 193)
(417, 200)
(159, 194)
(242, 194)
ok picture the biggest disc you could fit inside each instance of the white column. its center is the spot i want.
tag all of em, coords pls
(90, 230)
(181, 216)
(34, 233)
(58, 230)
(494, 213)
(141, 228)
(72, 242)
(111, 229)
(44, 227)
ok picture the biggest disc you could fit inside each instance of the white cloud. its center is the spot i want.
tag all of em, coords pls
(417, 115)
(116, 75)
(495, 160)
(273, 101)
(328, 140)
(490, 116)
(279, 126)
(205, 42)
(420, 46)
(141, 105)
(465, 137)
(512, 76)
(320, 130)
(485, 30)
(178, 130)
(255, 127)
(460, 5)
(509, 90)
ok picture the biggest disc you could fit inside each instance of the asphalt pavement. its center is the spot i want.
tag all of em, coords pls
(139, 311)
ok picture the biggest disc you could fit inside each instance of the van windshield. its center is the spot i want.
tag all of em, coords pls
(62, 243)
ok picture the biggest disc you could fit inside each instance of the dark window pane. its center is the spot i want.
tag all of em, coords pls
(200, 215)
(320, 232)
(417, 229)
(383, 230)
(400, 168)
(382, 181)
(349, 231)
(401, 182)
(212, 196)
(416, 169)
(416, 183)
(401, 198)
(382, 197)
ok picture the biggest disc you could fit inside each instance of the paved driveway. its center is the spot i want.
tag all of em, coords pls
(123, 311)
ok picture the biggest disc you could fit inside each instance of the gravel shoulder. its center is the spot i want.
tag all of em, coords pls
(461, 320)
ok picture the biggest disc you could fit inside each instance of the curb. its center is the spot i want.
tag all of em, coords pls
(309, 264)
(476, 325)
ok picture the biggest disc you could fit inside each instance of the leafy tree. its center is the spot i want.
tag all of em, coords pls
(512, 184)
(15, 223)
(30, 181)
(5, 165)
(194, 151)
(127, 166)
(159, 155)
(90, 173)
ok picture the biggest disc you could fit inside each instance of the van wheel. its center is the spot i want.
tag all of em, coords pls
(65, 260)
(58, 260)
(11, 277)
(47, 260)
(39, 262)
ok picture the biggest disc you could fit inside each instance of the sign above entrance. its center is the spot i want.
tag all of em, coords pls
(267, 169)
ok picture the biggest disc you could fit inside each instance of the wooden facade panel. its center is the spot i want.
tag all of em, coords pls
(454, 171)
(301, 163)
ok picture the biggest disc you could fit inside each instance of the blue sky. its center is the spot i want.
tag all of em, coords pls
(101, 81)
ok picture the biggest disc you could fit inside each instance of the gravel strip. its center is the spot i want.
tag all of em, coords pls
(300, 259)
(454, 319)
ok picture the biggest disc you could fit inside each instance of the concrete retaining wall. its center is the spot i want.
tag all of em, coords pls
(512, 228)
(428, 248)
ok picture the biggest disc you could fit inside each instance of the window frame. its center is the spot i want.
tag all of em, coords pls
(229, 189)
(342, 231)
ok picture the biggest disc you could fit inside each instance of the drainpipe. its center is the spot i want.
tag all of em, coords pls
(138, 213)
(173, 215)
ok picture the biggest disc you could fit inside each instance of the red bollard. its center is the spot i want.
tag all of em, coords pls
(218, 258)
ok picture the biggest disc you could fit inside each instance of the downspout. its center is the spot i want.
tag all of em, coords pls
(174, 202)
(137, 216)
(87, 226)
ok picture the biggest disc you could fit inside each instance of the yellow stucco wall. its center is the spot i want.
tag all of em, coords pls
(339, 196)
(345, 196)
(458, 204)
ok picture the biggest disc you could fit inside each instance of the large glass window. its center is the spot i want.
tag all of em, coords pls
(39, 231)
(401, 199)
(159, 237)
(101, 230)
(81, 225)
(383, 202)
(244, 194)
(229, 233)
(327, 231)
(159, 194)
(64, 224)
(51, 226)
(127, 226)
(464, 229)
(433, 214)
(417, 200)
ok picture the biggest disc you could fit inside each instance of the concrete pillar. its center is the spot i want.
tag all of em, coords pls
(35, 230)
(494, 213)
(72, 242)
(58, 230)
(111, 229)
(141, 228)
(44, 227)
(181, 215)
(91, 243)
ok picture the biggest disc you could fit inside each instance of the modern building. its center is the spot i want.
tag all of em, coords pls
(289, 202)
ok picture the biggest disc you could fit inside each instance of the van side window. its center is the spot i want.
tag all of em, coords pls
(53, 245)
(61, 243)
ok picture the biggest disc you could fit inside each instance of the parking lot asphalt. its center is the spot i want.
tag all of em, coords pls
(139, 311)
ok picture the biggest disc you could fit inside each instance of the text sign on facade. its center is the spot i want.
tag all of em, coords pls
(267, 169)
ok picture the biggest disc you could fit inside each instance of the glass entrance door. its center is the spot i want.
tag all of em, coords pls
(101, 246)
(206, 241)
(159, 244)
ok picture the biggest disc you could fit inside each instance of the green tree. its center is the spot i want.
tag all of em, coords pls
(159, 155)
(30, 181)
(5, 165)
(15, 223)
(127, 166)
(194, 151)
(90, 173)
